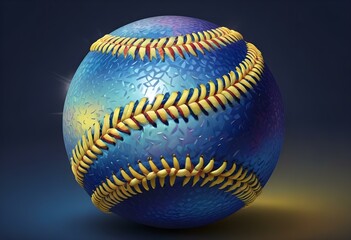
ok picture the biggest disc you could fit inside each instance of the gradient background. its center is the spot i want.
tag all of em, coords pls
(305, 44)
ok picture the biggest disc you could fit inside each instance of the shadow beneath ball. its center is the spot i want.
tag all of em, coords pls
(263, 221)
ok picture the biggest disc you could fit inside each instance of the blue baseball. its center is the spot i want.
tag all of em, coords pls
(173, 122)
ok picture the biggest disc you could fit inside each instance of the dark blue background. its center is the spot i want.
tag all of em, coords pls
(307, 46)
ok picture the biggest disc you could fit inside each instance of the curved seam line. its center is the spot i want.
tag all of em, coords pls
(190, 44)
(237, 181)
(133, 116)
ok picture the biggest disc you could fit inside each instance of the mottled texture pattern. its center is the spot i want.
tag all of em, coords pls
(248, 133)
(163, 26)
(179, 207)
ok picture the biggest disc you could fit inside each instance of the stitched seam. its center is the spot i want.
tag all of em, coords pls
(190, 44)
(237, 181)
(135, 115)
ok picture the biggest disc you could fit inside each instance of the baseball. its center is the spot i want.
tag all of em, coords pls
(173, 122)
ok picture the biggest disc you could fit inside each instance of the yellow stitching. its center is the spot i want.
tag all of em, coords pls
(207, 35)
(110, 193)
(195, 36)
(170, 46)
(152, 112)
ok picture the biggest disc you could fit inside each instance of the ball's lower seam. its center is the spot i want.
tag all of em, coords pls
(236, 180)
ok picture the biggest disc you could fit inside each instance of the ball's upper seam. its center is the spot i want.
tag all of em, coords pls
(176, 46)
